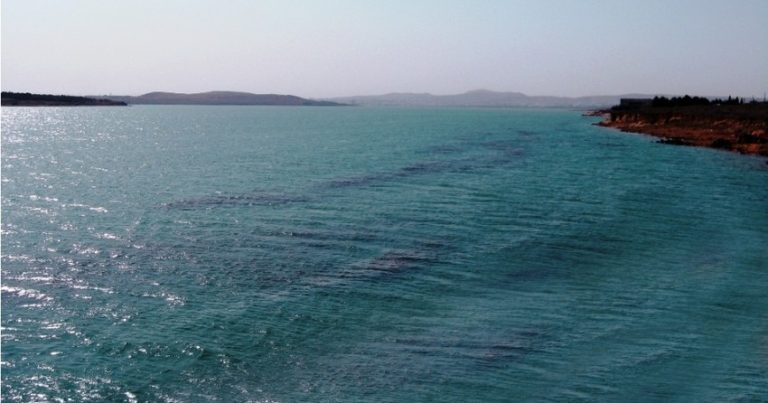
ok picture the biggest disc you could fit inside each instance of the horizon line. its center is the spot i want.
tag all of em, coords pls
(477, 90)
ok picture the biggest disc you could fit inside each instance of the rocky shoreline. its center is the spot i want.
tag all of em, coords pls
(739, 128)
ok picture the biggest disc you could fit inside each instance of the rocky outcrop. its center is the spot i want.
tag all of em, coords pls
(740, 128)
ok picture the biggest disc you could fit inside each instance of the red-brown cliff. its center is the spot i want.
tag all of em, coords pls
(740, 128)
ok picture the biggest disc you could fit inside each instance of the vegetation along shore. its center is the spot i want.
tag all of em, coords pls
(27, 99)
(729, 124)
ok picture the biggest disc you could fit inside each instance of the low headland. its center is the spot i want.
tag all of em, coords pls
(27, 99)
(162, 98)
(220, 98)
(730, 124)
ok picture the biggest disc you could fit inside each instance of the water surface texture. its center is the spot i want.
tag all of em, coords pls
(194, 254)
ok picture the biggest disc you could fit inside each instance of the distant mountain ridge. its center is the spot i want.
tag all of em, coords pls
(476, 98)
(485, 98)
(218, 98)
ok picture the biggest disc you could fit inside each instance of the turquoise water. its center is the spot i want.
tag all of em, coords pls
(162, 253)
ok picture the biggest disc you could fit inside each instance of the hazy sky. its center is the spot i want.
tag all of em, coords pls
(325, 48)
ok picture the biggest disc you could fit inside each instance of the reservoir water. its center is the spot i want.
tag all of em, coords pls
(283, 254)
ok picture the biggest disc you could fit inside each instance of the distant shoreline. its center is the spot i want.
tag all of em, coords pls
(162, 98)
(219, 98)
(28, 99)
(735, 127)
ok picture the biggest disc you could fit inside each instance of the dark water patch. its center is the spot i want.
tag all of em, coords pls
(310, 258)
(447, 149)
(500, 354)
(358, 181)
(418, 168)
(483, 350)
(329, 235)
(612, 145)
(534, 272)
(505, 158)
(394, 262)
(505, 146)
(536, 260)
(397, 261)
(425, 167)
(497, 152)
(389, 263)
(434, 245)
(235, 200)
(505, 155)
(464, 145)
(566, 244)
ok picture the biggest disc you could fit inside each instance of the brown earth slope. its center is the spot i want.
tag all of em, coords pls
(740, 128)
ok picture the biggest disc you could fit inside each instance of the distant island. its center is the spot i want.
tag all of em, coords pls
(729, 124)
(28, 99)
(219, 98)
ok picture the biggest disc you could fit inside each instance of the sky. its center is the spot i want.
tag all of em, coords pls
(331, 48)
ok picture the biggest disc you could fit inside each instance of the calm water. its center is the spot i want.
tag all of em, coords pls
(359, 254)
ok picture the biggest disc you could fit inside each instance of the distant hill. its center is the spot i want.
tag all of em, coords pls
(219, 98)
(484, 98)
(28, 99)
(477, 98)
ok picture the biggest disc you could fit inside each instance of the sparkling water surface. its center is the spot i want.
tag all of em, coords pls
(282, 254)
